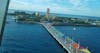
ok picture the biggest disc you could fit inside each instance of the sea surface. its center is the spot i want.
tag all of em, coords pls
(33, 38)
(88, 37)
(27, 38)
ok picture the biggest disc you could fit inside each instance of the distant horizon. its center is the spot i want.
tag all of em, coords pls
(54, 13)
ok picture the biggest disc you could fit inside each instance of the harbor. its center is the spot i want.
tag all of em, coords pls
(38, 40)
(49, 26)
(48, 22)
(66, 42)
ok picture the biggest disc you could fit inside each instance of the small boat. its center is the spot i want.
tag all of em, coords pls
(74, 28)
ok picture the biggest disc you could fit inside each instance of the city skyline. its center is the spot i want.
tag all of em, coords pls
(75, 7)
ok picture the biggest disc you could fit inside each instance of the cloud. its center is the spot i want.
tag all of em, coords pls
(80, 5)
(75, 3)
(19, 5)
(56, 6)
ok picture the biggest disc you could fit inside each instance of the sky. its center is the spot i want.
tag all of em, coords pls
(74, 7)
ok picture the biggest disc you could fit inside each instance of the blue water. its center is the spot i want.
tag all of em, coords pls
(86, 36)
(29, 38)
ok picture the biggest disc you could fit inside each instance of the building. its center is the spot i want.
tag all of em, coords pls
(47, 13)
(37, 14)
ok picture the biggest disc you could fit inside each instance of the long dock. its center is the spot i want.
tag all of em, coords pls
(55, 34)
(66, 43)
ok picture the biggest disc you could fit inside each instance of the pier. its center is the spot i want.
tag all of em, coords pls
(66, 42)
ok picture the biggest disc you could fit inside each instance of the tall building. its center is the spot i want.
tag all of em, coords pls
(47, 13)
